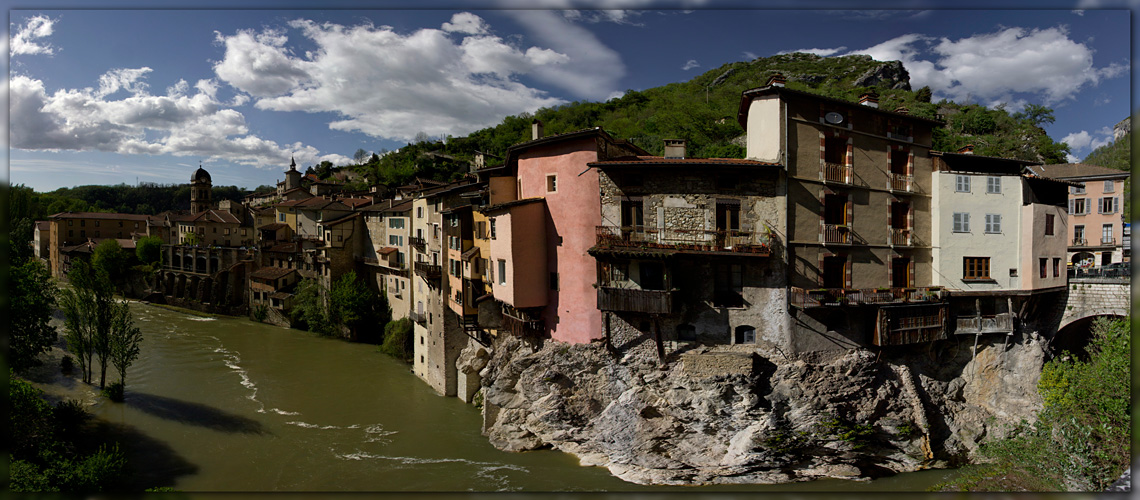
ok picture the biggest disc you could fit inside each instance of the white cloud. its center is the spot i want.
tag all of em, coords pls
(690, 64)
(593, 71)
(1083, 140)
(388, 84)
(26, 39)
(993, 66)
(749, 55)
(818, 52)
(1071, 159)
(617, 16)
(467, 23)
(176, 123)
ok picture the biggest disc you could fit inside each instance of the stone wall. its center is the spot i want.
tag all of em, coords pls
(1093, 297)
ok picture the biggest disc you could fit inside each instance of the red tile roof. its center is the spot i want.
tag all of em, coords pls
(98, 215)
(221, 216)
(662, 161)
(1077, 170)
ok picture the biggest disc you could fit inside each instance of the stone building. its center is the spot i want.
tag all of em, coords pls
(689, 249)
(68, 229)
(200, 186)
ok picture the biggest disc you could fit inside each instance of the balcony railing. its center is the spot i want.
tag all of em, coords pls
(1107, 240)
(996, 323)
(698, 240)
(910, 325)
(417, 243)
(835, 172)
(635, 300)
(1080, 242)
(521, 327)
(429, 272)
(823, 297)
(418, 318)
(901, 183)
(901, 237)
(836, 233)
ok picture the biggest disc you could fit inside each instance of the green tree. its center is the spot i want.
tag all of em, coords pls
(88, 311)
(360, 156)
(398, 339)
(149, 249)
(20, 237)
(354, 305)
(33, 299)
(110, 258)
(125, 340)
(309, 308)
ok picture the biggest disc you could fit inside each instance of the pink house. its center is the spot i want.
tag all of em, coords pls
(555, 169)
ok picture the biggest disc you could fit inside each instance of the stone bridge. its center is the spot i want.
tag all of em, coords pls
(1088, 299)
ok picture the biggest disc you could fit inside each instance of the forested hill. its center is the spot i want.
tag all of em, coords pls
(703, 112)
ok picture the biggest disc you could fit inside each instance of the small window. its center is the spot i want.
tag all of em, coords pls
(492, 229)
(1108, 186)
(962, 183)
(1044, 267)
(551, 183)
(745, 334)
(69, 222)
(282, 217)
(96, 223)
(502, 272)
(96, 234)
(1056, 267)
(396, 222)
(993, 223)
(1077, 189)
(1049, 224)
(976, 268)
(961, 222)
(419, 212)
(993, 184)
(1109, 205)
(1078, 206)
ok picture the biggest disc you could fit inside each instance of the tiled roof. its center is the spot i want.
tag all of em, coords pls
(98, 215)
(1076, 170)
(272, 273)
(356, 202)
(662, 161)
(386, 250)
(333, 222)
(474, 251)
(43, 225)
(274, 226)
(221, 216)
(403, 206)
(509, 204)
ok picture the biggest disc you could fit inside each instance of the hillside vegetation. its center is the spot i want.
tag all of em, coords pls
(703, 112)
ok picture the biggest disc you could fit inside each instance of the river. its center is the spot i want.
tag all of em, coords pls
(227, 404)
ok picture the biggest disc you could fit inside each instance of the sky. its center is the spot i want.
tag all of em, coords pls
(126, 94)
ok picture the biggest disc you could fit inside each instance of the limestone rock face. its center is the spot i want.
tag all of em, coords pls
(851, 415)
(891, 74)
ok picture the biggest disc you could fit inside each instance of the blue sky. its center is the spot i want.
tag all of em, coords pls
(125, 95)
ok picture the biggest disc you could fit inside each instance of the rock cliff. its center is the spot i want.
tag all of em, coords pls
(732, 414)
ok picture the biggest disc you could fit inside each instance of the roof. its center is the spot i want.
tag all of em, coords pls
(283, 248)
(274, 226)
(334, 222)
(43, 225)
(211, 215)
(98, 215)
(403, 206)
(290, 203)
(261, 194)
(747, 95)
(660, 161)
(280, 295)
(321, 204)
(272, 273)
(356, 202)
(474, 251)
(515, 150)
(200, 175)
(1078, 171)
(386, 250)
(297, 190)
(510, 204)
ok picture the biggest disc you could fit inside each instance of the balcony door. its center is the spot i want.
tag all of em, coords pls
(727, 222)
(632, 218)
(835, 272)
(901, 272)
(652, 275)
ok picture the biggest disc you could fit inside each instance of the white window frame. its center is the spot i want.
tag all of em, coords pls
(960, 222)
(993, 223)
(993, 184)
(961, 183)
(502, 272)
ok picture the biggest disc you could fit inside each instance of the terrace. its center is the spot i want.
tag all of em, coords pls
(828, 297)
(680, 240)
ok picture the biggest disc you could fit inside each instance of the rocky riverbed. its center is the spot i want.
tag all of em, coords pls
(738, 414)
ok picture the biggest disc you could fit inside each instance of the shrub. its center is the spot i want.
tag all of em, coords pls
(260, 313)
(67, 364)
(114, 392)
(398, 339)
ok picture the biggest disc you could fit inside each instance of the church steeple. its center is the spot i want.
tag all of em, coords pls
(200, 186)
(292, 176)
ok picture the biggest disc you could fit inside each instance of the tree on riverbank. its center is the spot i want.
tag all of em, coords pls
(98, 325)
(33, 299)
(1080, 441)
(349, 304)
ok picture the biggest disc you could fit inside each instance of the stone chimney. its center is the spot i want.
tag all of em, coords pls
(870, 99)
(535, 129)
(902, 110)
(675, 149)
(967, 149)
(777, 80)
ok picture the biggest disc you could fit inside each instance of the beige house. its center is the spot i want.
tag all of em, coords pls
(68, 229)
(1096, 232)
(214, 228)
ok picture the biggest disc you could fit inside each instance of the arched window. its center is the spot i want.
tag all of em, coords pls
(745, 334)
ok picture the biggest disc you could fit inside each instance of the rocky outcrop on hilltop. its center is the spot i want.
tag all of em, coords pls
(732, 414)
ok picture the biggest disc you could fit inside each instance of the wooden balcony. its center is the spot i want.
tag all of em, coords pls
(528, 328)
(900, 183)
(635, 300)
(909, 325)
(901, 237)
(836, 234)
(417, 243)
(828, 297)
(835, 172)
(384, 267)
(611, 238)
(996, 323)
(429, 272)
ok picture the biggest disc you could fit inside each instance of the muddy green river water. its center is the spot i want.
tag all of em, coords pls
(226, 404)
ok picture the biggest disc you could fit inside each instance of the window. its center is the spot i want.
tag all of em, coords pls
(1077, 189)
(1056, 267)
(1079, 206)
(1044, 267)
(975, 268)
(551, 183)
(993, 223)
(1105, 235)
(993, 184)
(396, 222)
(454, 220)
(226, 231)
(1049, 224)
(419, 212)
(70, 232)
(69, 222)
(962, 183)
(453, 268)
(82, 223)
(1109, 205)
(502, 272)
(1078, 234)
(1108, 186)
(835, 150)
(492, 229)
(961, 222)
(745, 335)
(395, 240)
(282, 217)
(96, 223)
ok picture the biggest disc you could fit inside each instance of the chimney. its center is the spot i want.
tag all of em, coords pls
(870, 99)
(902, 110)
(675, 149)
(535, 129)
(776, 80)
(967, 149)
